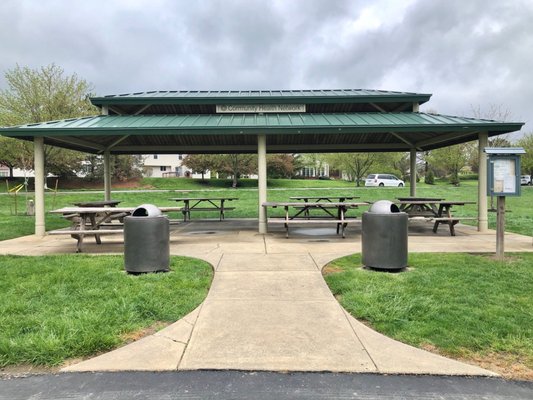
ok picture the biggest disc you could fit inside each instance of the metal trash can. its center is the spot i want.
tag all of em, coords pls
(384, 237)
(146, 240)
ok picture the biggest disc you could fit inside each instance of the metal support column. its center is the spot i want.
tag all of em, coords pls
(107, 164)
(38, 149)
(413, 173)
(483, 214)
(262, 181)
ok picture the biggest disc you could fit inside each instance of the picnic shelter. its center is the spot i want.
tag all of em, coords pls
(261, 122)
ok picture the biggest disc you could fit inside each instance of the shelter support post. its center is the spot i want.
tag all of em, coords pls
(107, 175)
(483, 215)
(107, 164)
(412, 174)
(38, 149)
(262, 181)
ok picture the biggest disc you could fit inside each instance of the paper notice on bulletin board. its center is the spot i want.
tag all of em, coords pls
(504, 176)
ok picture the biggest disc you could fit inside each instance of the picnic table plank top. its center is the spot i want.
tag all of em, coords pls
(323, 197)
(203, 198)
(449, 202)
(313, 204)
(95, 210)
(420, 198)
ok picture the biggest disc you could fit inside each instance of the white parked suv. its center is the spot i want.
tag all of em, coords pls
(525, 180)
(383, 180)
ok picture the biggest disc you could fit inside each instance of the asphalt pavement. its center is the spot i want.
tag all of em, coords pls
(258, 386)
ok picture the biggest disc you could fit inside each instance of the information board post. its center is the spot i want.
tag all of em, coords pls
(500, 228)
(503, 179)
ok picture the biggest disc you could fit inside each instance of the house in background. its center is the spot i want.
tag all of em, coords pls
(320, 171)
(17, 172)
(168, 166)
(4, 171)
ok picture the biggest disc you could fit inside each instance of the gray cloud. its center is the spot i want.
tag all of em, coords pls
(467, 53)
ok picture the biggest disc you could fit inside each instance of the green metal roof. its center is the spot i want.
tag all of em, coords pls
(237, 133)
(261, 96)
(259, 122)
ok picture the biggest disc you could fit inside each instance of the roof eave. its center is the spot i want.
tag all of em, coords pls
(390, 98)
(500, 128)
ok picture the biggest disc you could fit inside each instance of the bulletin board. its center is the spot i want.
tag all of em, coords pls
(504, 175)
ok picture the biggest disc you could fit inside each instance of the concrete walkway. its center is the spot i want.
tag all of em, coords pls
(269, 307)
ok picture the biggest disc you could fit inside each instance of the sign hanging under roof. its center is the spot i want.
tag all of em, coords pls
(260, 108)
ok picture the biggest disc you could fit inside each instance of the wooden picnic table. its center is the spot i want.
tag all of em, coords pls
(318, 199)
(437, 211)
(204, 204)
(418, 206)
(96, 221)
(302, 213)
(101, 203)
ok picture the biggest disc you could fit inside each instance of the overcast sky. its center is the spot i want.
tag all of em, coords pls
(467, 53)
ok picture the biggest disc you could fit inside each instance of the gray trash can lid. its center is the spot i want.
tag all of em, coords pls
(146, 210)
(384, 207)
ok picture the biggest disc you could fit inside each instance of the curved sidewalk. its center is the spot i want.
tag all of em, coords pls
(270, 309)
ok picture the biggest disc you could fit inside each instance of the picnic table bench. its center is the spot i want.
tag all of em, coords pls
(332, 212)
(433, 210)
(204, 204)
(95, 221)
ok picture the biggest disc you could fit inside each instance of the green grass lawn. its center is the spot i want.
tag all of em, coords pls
(465, 306)
(519, 217)
(58, 307)
(198, 184)
(459, 304)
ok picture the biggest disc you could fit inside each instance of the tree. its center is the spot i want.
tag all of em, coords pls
(44, 94)
(280, 165)
(125, 166)
(450, 159)
(527, 159)
(355, 165)
(429, 178)
(200, 163)
(236, 165)
(122, 167)
(495, 112)
(473, 154)
(396, 163)
(15, 154)
(38, 95)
